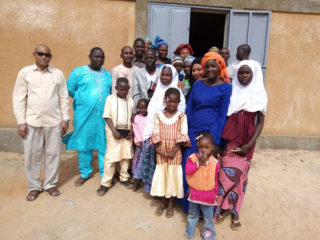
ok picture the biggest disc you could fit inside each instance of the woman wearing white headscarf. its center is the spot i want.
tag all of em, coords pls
(247, 109)
(146, 164)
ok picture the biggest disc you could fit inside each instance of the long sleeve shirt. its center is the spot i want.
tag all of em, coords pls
(40, 98)
(199, 196)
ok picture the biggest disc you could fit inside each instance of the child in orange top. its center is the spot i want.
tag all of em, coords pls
(202, 177)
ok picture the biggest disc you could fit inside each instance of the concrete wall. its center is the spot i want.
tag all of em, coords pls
(305, 6)
(292, 78)
(70, 28)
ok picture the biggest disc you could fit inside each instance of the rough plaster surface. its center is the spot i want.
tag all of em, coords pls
(70, 28)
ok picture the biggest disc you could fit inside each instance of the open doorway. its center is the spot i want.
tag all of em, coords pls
(207, 29)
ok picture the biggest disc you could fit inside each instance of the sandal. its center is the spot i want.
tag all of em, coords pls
(32, 195)
(80, 181)
(102, 190)
(221, 217)
(235, 224)
(169, 212)
(159, 210)
(54, 192)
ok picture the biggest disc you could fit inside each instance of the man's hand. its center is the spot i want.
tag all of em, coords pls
(23, 130)
(116, 134)
(64, 127)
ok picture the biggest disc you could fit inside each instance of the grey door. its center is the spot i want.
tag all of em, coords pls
(171, 23)
(251, 27)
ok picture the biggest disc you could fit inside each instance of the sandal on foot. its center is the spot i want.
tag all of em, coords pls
(54, 192)
(159, 210)
(221, 217)
(80, 181)
(235, 224)
(102, 190)
(32, 195)
(169, 212)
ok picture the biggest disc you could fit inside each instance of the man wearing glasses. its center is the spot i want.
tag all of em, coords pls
(40, 105)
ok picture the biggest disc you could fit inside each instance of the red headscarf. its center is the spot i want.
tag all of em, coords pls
(224, 75)
(182, 46)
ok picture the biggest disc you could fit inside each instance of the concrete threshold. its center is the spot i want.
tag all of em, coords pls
(11, 142)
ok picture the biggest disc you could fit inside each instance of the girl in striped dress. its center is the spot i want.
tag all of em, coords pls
(170, 133)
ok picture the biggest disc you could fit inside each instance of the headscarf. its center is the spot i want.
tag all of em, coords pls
(148, 39)
(156, 102)
(251, 98)
(189, 59)
(158, 42)
(182, 46)
(175, 59)
(224, 75)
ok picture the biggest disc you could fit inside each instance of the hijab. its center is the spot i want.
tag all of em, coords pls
(224, 75)
(251, 98)
(182, 46)
(156, 102)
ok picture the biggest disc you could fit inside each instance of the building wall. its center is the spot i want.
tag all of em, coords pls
(305, 6)
(70, 28)
(292, 78)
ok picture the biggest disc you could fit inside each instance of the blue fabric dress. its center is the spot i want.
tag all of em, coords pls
(206, 110)
(89, 90)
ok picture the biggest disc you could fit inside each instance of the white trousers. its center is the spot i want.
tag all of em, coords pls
(109, 169)
(42, 144)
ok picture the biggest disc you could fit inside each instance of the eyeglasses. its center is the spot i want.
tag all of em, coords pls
(47, 55)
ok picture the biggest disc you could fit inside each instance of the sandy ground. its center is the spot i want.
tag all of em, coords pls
(282, 202)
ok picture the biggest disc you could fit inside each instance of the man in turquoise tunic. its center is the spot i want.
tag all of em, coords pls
(89, 86)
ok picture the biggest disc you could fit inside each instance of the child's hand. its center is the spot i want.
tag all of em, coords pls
(116, 134)
(203, 158)
(173, 152)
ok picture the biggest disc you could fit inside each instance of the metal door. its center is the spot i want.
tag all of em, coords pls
(251, 27)
(171, 23)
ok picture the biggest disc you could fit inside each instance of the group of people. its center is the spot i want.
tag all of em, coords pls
(178, 127)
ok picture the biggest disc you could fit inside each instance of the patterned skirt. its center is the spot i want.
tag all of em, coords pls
(146, 165)
(233, 180)
(136, 158)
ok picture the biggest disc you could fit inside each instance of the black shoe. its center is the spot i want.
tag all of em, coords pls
(102, 190)
(80, 181)
(136, 184)
(127, 184)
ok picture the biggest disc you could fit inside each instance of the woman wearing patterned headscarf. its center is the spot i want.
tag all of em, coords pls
(161, 46)
(207, 106)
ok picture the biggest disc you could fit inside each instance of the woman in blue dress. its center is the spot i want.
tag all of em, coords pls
(89, 86)
(207, 107)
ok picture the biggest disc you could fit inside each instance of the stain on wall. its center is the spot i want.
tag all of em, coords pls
(70, 28)
(292, 78)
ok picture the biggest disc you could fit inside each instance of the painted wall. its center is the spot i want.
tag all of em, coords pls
(70, 28)
(292, 78)
(305, 6)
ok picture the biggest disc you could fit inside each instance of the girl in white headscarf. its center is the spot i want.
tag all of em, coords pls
(247, 109)
(146, 164)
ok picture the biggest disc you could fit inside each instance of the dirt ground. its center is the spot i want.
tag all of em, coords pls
(282, 202)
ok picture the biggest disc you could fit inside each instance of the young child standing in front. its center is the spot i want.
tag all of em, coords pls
(138, 126)
(202, 177)
(117, 112)
(170, 132)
